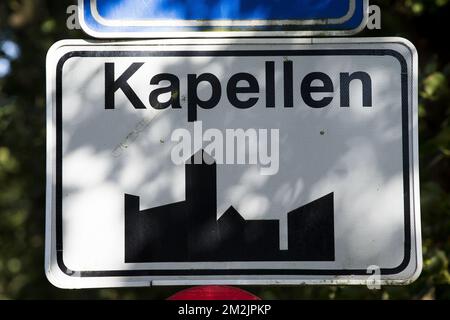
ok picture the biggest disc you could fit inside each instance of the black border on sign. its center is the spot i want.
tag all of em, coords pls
(239, 272)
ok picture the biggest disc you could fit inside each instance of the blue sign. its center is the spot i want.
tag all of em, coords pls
(209, 18)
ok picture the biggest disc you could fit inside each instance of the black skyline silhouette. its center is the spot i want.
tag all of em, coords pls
(188, 231)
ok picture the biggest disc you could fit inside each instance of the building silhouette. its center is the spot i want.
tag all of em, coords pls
(188, 231)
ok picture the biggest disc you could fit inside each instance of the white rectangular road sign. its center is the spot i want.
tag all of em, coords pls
(232, 162)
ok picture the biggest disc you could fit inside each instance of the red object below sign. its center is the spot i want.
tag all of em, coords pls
(213, 293)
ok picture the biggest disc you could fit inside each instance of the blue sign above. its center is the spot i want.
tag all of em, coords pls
(213, 18)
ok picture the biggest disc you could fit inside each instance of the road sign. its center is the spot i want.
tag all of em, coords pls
(232, 162)
(213, 293)
(219, 18)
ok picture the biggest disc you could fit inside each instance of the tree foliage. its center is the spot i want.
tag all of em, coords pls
(29, 27)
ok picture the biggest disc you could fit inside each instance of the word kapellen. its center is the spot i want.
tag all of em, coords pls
(317, 89)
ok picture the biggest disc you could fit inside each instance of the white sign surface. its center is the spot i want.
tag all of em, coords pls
(309, 171)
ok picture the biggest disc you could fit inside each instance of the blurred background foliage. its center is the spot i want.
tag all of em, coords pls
(29, 27)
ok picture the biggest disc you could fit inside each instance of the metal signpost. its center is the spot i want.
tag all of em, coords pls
(227, 161)
(221, 18)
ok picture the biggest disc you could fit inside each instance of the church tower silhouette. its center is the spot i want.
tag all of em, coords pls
(188, 231)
